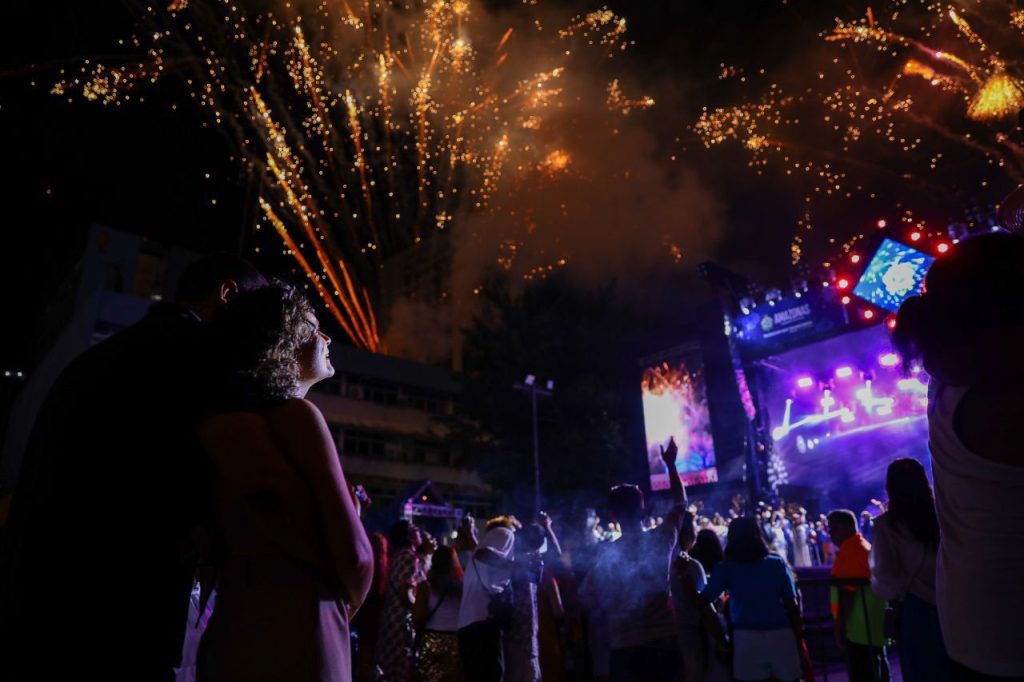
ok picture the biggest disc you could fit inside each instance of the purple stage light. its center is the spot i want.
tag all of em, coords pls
(844, 372)
(805, 382)
(889, 359)
(912, 384)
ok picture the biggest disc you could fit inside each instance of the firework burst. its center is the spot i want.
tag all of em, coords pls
(370, 126)
(886, 101)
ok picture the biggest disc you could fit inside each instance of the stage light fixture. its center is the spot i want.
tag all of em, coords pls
(844, 372)
(843, 283)
(881, 224)
(942, 248)
(889, 359)
(846, 300)
(855, 258)
(915, 236)
(912, 384)
(869, 314)
(805, 382)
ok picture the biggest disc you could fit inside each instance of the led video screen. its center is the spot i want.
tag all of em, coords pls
(675, 406)
(841, 410)
(895, 273)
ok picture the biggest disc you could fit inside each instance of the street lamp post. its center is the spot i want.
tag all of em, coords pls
(530, 386)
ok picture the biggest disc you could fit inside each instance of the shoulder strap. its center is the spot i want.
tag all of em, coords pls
(444, 595)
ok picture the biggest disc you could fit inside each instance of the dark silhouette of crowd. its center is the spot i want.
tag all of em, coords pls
(182, 514)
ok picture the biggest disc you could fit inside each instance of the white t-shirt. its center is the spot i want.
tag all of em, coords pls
(445, 617)
(481, 581)
(979, 585)
(900, 564)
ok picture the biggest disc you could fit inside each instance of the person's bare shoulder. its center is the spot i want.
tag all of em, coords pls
(297, 413)
(300, 425)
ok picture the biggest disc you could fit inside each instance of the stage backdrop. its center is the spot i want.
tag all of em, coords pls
(840, 411)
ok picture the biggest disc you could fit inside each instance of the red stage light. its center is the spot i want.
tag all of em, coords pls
(915, 236)
(843, 283)
(868, 314)
(881, 224)
(891, 323)
(846, 300)
(942, 248)
(855, 258)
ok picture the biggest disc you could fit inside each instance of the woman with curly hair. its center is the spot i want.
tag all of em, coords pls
(292, 559)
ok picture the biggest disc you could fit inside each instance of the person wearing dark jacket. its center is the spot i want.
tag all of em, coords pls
(96, 572)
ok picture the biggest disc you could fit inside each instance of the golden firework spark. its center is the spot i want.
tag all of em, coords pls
(1000, 96)
(620, 103)
(911, 84)
(371, 126)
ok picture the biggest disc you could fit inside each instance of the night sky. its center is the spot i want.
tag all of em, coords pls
(142, 168)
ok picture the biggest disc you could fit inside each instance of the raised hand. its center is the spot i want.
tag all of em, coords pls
(669, 454)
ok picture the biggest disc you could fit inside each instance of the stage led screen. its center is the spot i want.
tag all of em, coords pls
(895, 273)
(675, 406)
(841, 410)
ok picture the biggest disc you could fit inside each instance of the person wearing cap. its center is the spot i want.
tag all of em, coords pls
(487, 575)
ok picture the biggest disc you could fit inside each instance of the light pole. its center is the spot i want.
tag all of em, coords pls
(529, 385)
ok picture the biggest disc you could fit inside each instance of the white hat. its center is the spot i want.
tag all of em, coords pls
(499, 540)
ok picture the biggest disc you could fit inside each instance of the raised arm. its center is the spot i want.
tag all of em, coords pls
(669, 456)
(310, 447)
(554, 549)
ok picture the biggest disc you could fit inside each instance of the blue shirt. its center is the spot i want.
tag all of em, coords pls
(756, 591)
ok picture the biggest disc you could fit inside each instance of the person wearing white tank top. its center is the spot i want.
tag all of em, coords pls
(436, 617)
(968, 328)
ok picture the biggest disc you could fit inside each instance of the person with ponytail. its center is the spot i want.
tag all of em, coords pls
(968, 330)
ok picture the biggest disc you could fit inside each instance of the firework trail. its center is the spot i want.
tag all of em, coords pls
(370, 126)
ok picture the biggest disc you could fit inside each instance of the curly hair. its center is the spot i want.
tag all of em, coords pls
(260, 332)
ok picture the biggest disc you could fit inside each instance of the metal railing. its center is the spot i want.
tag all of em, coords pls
(814, 620)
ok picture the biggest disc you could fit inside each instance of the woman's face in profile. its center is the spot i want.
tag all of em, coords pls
(314, 354)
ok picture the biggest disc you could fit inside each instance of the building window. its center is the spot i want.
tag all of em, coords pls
(430, 453)
(363, 443)
(359, 388)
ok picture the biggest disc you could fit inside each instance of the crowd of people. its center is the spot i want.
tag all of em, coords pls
(178, 471)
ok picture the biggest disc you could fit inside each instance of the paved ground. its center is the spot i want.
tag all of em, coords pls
(838, 673)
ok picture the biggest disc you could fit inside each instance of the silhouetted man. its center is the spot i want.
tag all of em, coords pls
(96, 579)
(630, 584)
